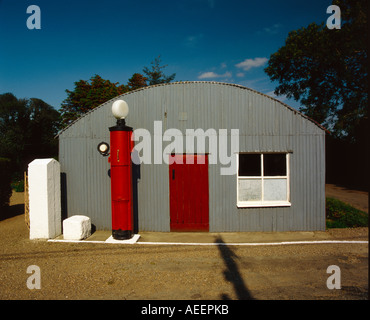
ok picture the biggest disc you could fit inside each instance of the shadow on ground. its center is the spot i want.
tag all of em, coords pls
(11, 211)
(231, 273)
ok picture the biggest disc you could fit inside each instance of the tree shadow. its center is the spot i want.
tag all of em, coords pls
(11, 211)
(231, 273)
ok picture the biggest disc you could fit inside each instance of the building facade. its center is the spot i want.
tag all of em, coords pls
(257, 164)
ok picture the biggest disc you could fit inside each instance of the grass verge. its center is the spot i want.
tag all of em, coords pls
(343, 215)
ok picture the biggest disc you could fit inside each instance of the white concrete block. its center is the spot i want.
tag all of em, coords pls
(76, 228)
(44, 197)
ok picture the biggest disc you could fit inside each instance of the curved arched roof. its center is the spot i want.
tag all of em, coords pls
(191, 82)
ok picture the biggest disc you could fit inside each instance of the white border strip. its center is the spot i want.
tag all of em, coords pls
(74, 241)
(255, 244)
(133, 240)
(217, 244)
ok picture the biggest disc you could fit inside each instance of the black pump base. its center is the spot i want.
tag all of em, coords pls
(122, 234)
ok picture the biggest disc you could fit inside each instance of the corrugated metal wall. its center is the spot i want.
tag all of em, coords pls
(264, 124)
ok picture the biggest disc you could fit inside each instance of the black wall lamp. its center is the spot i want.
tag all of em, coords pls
(103, 149)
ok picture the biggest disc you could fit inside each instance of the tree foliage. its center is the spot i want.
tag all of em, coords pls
(155, 75)
(137, 81)
(86, 96)
(326, 70)
(27, 130)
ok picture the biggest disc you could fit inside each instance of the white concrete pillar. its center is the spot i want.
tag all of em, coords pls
(44, 197)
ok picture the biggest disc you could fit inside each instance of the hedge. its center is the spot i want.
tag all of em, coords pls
(5, 182)
(343, 215)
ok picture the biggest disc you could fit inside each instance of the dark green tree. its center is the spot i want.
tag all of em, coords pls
(5, 185)
(43, 127)
(14, 127)
(86, 96)
(326, 70)
(155, 74)
(27, 130)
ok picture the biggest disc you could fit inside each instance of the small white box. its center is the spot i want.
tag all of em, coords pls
(76, 228)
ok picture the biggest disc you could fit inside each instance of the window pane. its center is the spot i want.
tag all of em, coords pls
(249, 165)
(275, 190)
(250, 189)
(274, 164)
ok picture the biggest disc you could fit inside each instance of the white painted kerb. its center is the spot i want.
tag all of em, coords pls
(44, 197)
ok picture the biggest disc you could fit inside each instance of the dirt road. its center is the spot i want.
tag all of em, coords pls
(102, 271)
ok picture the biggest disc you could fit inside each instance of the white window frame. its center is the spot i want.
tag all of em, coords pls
(264, 203)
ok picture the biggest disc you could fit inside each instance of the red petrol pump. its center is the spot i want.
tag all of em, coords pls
(121, 146)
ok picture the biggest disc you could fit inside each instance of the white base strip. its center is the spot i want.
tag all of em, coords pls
(253, 244)
(134, 240)
(74, 241)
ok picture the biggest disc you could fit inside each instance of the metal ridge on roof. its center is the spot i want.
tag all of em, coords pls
(192, 82)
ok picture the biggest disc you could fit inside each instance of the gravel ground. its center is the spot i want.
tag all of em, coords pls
(140, 272)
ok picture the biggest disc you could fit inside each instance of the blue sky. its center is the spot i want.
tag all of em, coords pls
(200, 40)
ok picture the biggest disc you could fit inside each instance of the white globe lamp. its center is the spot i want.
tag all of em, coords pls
(120, 109)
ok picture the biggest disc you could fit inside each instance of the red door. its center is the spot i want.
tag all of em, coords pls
(189, 193)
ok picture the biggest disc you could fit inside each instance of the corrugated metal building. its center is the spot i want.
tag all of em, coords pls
(279, 181)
